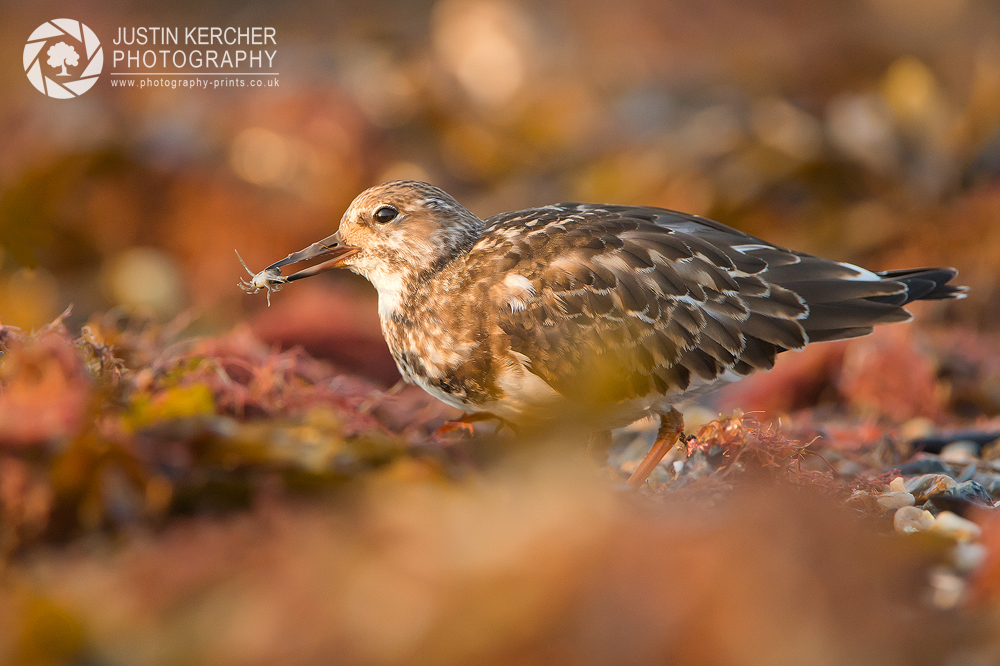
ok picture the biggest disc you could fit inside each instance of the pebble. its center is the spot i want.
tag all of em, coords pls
(989, 480)
(960, 499)
(910, 520)
(952, 525)
(970, 491)
(991, 450)
(923, 463)
(925, 486)
(896, 497)
(892, 501)
(967, 473)
(960, 452)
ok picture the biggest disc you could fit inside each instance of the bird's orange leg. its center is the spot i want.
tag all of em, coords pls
(671, 427)
(465, 423)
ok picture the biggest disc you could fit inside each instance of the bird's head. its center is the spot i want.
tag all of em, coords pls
(394, 234)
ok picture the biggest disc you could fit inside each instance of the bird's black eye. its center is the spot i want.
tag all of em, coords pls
(385, 214)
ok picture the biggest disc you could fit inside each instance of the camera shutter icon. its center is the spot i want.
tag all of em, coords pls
(63, 58)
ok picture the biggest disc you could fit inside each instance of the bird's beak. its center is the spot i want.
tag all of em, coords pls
(331, 246)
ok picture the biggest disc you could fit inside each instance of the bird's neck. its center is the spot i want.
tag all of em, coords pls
(402, 280)
(400, 292)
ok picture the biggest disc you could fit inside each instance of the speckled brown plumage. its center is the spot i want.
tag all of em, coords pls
(611, 311)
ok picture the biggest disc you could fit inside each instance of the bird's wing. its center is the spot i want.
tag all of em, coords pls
(615, 302)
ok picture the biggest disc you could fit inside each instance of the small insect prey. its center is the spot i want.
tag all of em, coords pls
(269, 278)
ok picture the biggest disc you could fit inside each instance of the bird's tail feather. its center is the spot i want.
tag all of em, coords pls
(924, 284)
(841, 309)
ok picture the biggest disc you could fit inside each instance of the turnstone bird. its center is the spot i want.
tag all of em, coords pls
(601, 313)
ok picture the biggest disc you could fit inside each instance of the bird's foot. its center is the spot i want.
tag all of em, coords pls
(454, 426)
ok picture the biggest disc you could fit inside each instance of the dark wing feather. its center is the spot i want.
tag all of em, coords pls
(627, 301)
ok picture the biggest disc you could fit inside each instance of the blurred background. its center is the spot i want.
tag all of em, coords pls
(868, 131)
(179, 485)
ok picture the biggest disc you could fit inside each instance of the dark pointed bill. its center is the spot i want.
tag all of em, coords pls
(330, 246)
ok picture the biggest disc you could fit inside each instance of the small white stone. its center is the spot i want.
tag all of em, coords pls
(910, 520)
(896, 500)
(897, 485)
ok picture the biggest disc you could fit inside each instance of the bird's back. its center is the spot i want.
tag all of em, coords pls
(622, 303)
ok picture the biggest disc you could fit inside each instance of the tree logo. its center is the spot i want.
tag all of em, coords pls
(63, 58)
